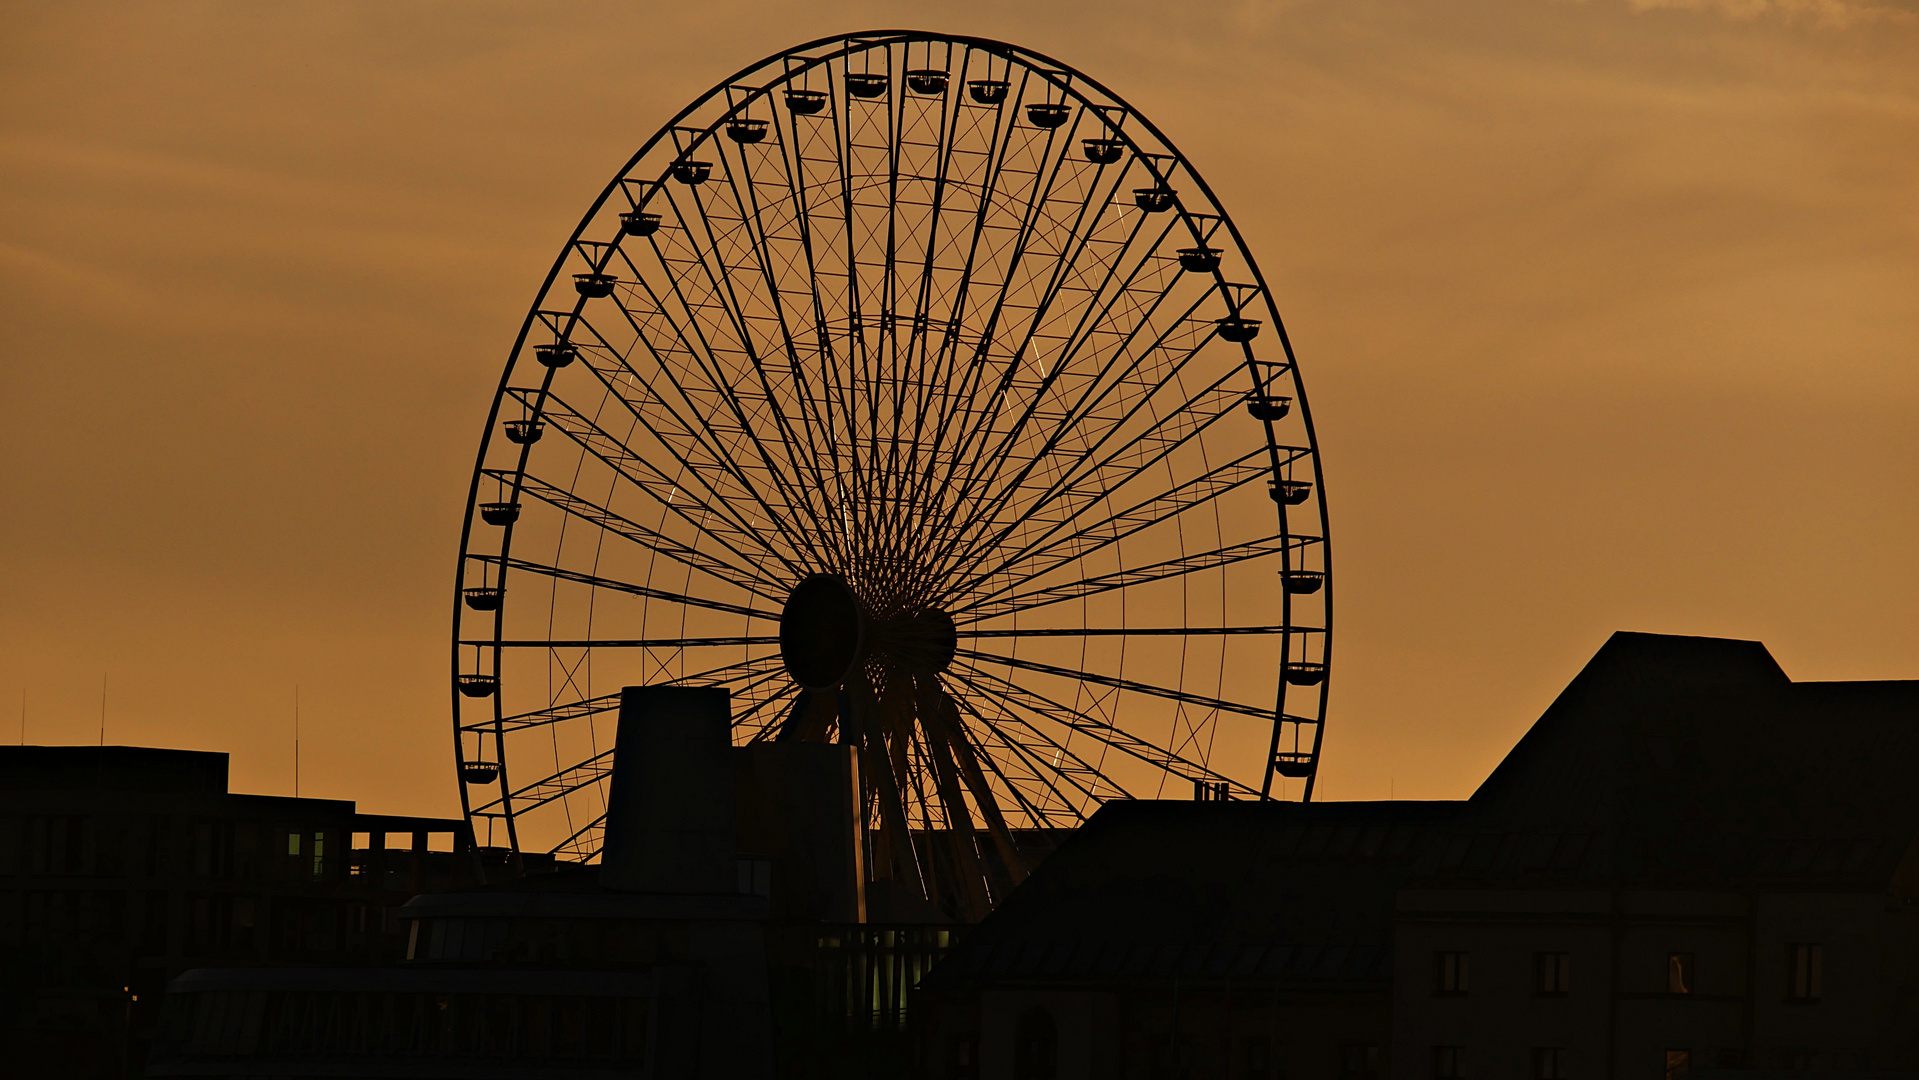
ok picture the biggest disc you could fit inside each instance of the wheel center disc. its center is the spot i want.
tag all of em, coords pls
(822, 631)
(825, 632)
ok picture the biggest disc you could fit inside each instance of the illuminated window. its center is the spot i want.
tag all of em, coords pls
(1805, 965)
(319, 854)
(1450, 971)
(1679, 973)
(293, 843)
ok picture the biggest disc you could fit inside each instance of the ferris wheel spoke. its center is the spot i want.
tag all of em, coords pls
(1045, 172)
(1085, 538)
(951, 122)
(732, 535)
(821, 425)
(1045, 760)
(715, 389)
(583, 844)
(680, 438)
(1069, 350)
(598, 581)
(1139, 631)
(1159, 757)
(1130, 459)
(724, 288)
(557, 786)
(742, 717)
(772, 278)
(1143, 372)
(752, 673)
(1116, 374)
(1259, 712)
(622, 643)
(1072, 349)
(999, 139)
(996, 605)
(553, 714)
(689, 557)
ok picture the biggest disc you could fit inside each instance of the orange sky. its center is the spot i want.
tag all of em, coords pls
(1609, 310)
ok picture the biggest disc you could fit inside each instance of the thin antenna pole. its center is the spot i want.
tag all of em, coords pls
(296, 740)
(103, 709)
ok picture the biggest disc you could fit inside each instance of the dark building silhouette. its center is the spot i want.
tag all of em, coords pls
(1690, 864)
(121, 867)
(726, 933)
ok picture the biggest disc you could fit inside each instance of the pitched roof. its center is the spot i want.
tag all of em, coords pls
(1695, 762)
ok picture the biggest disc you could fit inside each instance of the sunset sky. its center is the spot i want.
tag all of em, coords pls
(1609, 311)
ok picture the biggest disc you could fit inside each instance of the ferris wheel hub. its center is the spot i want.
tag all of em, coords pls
(822, 631)
(826, 631)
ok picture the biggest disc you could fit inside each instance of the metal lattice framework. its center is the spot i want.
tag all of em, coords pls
(948, 330)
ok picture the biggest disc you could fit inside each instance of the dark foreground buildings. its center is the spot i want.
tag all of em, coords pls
(726, 932)
(122, 867)
(1690, 865)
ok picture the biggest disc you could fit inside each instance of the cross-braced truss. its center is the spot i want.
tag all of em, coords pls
(950, 324)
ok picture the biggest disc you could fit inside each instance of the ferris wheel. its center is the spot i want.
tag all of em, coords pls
(917, 391)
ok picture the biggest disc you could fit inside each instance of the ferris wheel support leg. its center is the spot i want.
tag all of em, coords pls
(901, 862)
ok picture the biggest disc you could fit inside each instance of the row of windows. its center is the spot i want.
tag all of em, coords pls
(1036, 1055)
(1552, 972)
(138, 845)
(267, 1023)
(211, 924)
(1548, 1063)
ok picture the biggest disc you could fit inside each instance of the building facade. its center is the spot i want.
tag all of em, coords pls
(122, 867)
(1689, 865)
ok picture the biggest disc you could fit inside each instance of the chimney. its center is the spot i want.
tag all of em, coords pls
(669, 815)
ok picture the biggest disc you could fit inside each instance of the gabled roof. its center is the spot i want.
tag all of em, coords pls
(1695, 762)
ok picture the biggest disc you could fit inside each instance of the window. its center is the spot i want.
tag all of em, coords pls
(319, 855)
(1548, 1062)
(1805, 966)
(1035, 1046)
(293, 843)
(1358, 1061)
(965, 1057)
(1679, 973)
(1552, 972)
(1678, 1064)
(1449, 1063)
(1260, 1064)
(1450, 970)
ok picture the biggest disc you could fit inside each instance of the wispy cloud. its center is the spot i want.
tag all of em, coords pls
(1837, 14)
